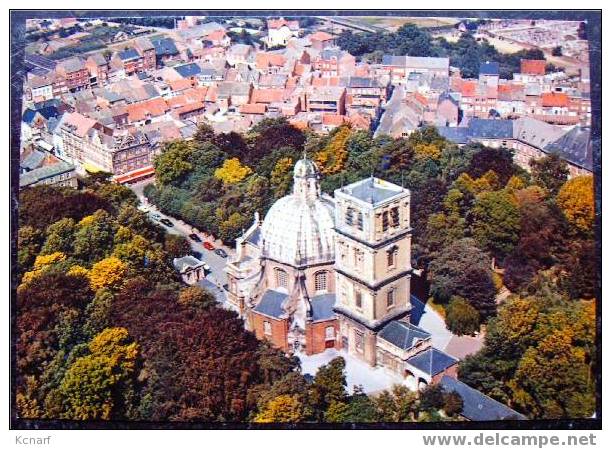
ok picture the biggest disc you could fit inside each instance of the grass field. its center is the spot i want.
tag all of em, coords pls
(392, 23)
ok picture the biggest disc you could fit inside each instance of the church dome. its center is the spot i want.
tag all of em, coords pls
(298, 228)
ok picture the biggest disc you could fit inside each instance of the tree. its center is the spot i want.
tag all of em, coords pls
(400, 404)
(452, 403)
(461, 317)
(557, 51)
(496, 223)
(281, 176)
(549, 172)
(498, 160)
(176, 245)
(109, 272)
(332, 158)
(28, 245)
(553, 366)
(329, 385)
(173, 163)
(195, 296)
(464, 270)
(97, 385)
(94, 236)
(576, 200)
(232, 171)
(284, 408)
(60, 237)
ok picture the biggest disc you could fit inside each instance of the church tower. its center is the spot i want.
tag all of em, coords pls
(372, 263)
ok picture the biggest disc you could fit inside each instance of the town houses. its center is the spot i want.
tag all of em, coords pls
(113, 108)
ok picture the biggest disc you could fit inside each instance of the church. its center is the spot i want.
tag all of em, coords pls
(324, 272)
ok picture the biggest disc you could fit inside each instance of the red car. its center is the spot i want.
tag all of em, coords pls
(208, 246)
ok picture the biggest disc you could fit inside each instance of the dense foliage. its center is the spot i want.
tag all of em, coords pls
(467, 53)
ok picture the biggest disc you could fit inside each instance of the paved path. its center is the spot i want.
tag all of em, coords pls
(425, 317)
(217, 264)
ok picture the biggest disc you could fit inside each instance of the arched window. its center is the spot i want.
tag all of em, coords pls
(282, 279)
(320, 281)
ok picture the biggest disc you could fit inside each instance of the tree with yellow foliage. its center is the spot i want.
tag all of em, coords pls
(108, 272)
(99, 384)
(576, 200)
(281, 176)
(332, 158)
(232, 171)
(284, 408)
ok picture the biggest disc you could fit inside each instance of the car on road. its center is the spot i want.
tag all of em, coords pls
(195, 237)
(209, 246)
(156, 216)
(220, 252)
(207, 267)
(226, 287)
(166, 222)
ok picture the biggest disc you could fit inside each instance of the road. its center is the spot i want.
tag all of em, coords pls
(217, 275)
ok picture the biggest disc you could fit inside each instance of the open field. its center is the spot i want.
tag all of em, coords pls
(392, 23)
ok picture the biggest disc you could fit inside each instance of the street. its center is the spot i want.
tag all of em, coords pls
(217, 263)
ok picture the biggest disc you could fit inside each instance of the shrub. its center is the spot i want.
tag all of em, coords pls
(461, 317)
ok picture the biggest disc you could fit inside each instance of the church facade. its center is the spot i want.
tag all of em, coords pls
(324, 272)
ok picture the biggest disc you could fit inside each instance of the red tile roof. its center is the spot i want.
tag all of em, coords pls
(139, 111)
(333, 119)
(321, 36)
(267, 95)
(251, 108)
(467, 88)
(265, 60)
(551, 99)
(532, 66)
(275, 24)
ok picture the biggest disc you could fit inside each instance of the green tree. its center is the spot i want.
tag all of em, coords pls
(461, 317)
(98, 385)
(94, 236)
(176, 245)
(329, 385)
(496, 223)
(195, 296)
(60, 237)
(549, 172)
(173, 163)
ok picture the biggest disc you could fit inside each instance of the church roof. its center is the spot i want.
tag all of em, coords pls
(373, 190)
(271, 304)
(477, 406)
(432, 361)
(403, 335)
(322, 307)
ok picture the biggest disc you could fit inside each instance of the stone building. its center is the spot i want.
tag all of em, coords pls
(324, 272)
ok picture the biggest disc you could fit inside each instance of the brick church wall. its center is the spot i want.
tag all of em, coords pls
(279, 330)
(316, 336)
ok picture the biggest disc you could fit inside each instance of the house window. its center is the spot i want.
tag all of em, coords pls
(358, 299)
(390, 298)
(329, 333)
(320, 281)
(281, 278)
(394, 217)
(359, 341)
(267, 328)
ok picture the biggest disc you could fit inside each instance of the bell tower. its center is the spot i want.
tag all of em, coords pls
(372, 261)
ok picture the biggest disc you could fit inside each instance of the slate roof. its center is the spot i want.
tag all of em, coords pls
(432, 361)
(164, 47)
(271, 304)
(255, 237)
(492, 129)
(403, 335)
(322, 307)
(32, 160)
(185, 262)
(188, 70)
(128, 54)
(45, 172)
(489, 68)
(416, 62)
(477, 406)
(372, 190)
(360, 82)
(47, 112)
(575, 146)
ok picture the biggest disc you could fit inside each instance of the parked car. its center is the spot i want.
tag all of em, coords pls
(166, 222)
(156, 216)
(207, 267)
(226, 287)
(195, 237)
(220, 252)
(209, 246)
